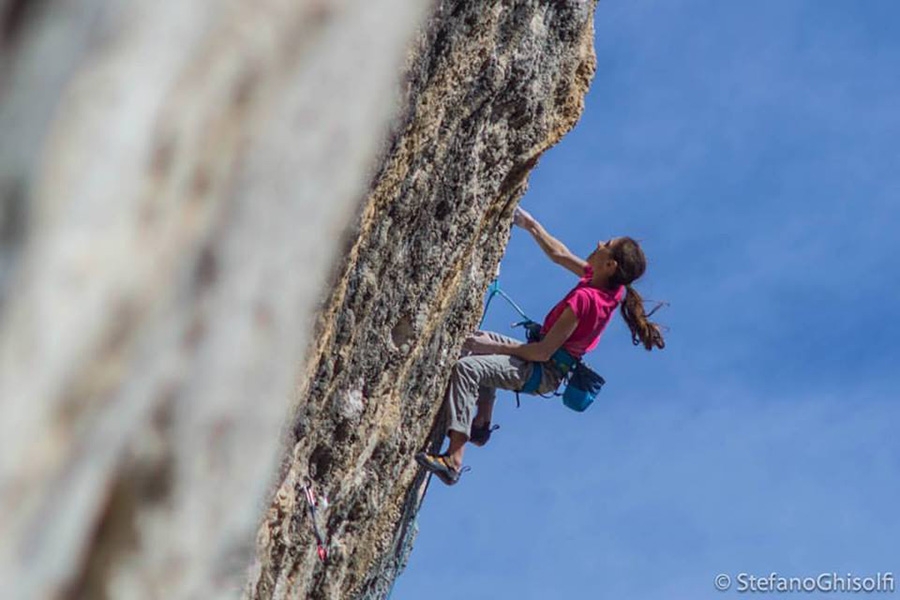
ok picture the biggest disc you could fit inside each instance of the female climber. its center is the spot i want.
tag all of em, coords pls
(492, 361)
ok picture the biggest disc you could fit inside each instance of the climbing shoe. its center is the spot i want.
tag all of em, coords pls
(439, 465)
(481, 434)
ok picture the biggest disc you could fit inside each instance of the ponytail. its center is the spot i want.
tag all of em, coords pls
(643, 331)
(631, 264)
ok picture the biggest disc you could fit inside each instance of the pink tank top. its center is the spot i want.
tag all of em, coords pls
(592, 306)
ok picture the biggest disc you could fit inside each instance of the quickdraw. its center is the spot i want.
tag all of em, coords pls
(493, 290)
(313, 503)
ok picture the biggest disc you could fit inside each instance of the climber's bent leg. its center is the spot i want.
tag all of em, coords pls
(485, 406)
(473, 373)
(487, 395)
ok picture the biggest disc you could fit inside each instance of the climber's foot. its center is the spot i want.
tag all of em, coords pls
(440, 465)
(481, 434)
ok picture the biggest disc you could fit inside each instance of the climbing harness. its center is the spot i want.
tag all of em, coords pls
(314, 503)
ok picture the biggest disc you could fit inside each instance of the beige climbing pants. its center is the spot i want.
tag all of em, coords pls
(477, 377)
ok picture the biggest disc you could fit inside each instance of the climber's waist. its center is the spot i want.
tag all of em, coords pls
(563, 360)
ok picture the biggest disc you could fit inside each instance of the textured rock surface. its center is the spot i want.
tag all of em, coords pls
(490, 86)
(174, 176)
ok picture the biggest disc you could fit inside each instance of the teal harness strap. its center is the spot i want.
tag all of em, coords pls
(564, 360)
(561, 358)
(534, 382)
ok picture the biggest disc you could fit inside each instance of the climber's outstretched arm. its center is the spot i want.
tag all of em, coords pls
(556, 250)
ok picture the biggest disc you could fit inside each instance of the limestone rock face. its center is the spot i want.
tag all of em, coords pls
(489, 87)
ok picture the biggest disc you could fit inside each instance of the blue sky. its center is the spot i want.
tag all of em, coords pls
(754, 149)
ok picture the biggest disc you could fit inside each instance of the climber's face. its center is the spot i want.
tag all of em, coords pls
(601, 259)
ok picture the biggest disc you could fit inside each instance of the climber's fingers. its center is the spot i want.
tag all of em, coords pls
(522, 217)
(475, 342)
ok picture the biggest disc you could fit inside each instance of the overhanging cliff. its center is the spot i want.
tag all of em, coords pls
(489, 87)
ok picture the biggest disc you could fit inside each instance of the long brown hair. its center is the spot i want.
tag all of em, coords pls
(631, 265)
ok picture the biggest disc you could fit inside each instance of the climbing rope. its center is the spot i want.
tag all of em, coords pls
(532, 328)
(410, 518)
(494, 290)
